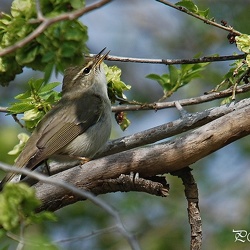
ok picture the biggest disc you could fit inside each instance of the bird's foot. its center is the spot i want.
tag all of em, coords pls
(81, 159)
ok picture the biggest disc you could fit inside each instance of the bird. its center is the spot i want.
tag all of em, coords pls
(78, 126)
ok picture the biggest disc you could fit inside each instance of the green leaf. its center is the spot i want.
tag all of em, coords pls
(77, 4)
(17, 204)
(177, 77)
(8, 69)
(204, 13)
(115, 85)
(248, 60)
(174, 74)
(48, 56)
(226, 100)
(23, 138)
(243, 43)
(75, 32)
(58, 47)
(22, 96)
(68, 49)
(35, 102)
(153, 77)
(48, 71)
(163, 80)
(32, 115)
(35, 84)
(23, 8)
(18, 108)
(49, 86)
(188, 4)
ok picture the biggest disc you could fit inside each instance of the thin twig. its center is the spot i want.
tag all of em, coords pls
(152, 135)
(207, 21)
(112, 229)
(183, 102)
(83, 193)
(22, 242)
(4, 110)
(171, 155)
(33, 243)
(49, 21)
(39, 13)
(164, 105)
(204, 59)
(17, 120)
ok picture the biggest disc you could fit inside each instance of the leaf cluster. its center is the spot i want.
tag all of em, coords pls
(115, 91)
(243, 44)
(35, 102)
(115, 85)
(60, 45)
(18, 203)
(177, 77)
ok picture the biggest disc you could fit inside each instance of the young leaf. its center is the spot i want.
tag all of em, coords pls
(189, 5)
(177, 77)
(115, 85)
(17, 108)
(243, 44)
(18, 203)
(23, 138)
(49, 86)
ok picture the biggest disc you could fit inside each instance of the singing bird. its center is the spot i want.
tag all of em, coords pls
(79, 125)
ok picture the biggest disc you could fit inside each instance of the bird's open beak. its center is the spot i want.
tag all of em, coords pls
(99, 57)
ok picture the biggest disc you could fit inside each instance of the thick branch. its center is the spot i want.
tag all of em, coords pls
(164, 131)
(167, 130)
(150, 161)
(191, 193)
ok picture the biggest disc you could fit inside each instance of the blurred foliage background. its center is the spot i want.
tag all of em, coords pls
(149, 29)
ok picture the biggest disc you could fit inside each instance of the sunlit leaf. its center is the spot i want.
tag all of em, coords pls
(17, 204)
(23, 138)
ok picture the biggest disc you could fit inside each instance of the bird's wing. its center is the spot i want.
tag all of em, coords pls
(52, 136)
(62, 130)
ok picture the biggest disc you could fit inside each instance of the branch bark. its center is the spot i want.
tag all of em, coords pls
(149, 161)
(176, 61)
(191, 193)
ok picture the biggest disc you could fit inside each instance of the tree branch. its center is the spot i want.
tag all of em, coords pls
(183, 124)
(152, 135)
(207, 21)
(81, 194)
(204, 59)
(170, 156)
(163, 105)
(184, 102)
(46, 22)
(191, 193)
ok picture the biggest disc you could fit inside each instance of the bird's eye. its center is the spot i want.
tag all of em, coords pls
(86, 70)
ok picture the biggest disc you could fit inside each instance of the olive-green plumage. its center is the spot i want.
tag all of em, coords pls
(78, 125)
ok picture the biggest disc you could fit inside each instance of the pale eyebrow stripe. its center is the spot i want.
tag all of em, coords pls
(81, 71)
